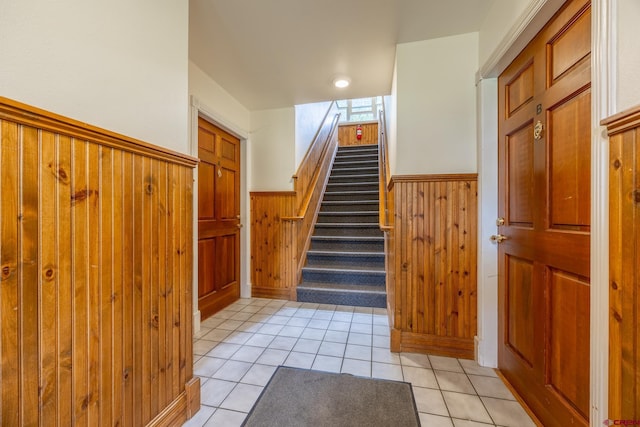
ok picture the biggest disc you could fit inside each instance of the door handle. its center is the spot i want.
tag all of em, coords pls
(239, 225)
(498, 238)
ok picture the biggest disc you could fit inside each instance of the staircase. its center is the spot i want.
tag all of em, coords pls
(345, 262)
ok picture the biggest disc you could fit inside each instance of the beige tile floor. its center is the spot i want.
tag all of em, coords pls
(238, 349)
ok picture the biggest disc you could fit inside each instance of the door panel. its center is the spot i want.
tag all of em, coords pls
(544, 197)
(520, 327)
(520, 176)
(218, 218)
(569, 163)
(569, 349)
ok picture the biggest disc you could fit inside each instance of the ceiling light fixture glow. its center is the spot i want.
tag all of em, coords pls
(341, 82)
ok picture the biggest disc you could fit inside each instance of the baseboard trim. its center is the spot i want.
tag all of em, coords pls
(273, 293)
(196, 321)
(462, 348)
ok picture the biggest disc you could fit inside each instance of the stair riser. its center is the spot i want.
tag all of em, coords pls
(328, 297)
(322, 245)
(345, 278)
(373, 219)
(356, 195)
(351, 207)
(373, 231)
(349, 179)
(345, 261)
(372, 186)
(358, 148)
(353, 171)
(354, 164)
(356, 159)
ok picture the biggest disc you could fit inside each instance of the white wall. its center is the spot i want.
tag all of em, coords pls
(500, 18)
(436, 105)
(217, 101)
(487, 338)
(309, 117)
(272, 150)
(628, 91)
(391, 112)
(119, 65)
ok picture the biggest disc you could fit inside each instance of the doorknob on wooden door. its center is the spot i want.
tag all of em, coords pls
(498, 238)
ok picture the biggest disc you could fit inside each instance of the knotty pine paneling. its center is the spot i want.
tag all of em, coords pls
(95, 282)
(432, 264)
(347, 134)
(271, 247)
(624, 265)
(282, 222)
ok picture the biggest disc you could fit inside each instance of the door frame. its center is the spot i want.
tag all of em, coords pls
(603, 92)
(198, 109)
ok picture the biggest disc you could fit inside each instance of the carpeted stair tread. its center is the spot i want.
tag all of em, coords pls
(342, 287)
(349, 224)
(352, 171)
(354, 184)
(345, 253)
(348, 202)
(349, 238)
(329, 268)
(353, 162)
(371, 176)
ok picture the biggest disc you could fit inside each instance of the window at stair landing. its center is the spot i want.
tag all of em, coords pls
(359, 110)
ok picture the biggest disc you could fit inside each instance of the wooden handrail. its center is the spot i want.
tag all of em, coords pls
(385, 176)
(308, 195)
(316, 138)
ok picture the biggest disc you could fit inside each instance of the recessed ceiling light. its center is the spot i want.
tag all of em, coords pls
(341, 82)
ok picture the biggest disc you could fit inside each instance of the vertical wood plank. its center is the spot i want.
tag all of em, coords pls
(151, 190)
(80, 281)
(64, 256)
(94, 230)
(117, 285)
(188, 278)
(163, 394)
(48, 308)
(107, 292)
(182, 282)
(174, 239)
(9, 211)
(29, 281)
(139, 366)
(130, 253)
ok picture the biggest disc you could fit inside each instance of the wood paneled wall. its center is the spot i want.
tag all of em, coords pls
(431, 276)
(347, 134)
(624, 265)
(271, 246)
(282, 222)
(95, 276)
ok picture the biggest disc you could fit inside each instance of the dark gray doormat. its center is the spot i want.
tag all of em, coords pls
(301, 397)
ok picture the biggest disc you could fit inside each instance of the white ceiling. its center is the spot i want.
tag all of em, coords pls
(278, 53)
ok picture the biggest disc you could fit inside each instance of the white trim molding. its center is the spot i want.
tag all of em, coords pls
(603, 104)
(533, 18)
(198, 109)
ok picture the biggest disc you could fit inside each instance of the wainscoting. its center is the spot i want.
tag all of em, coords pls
(96, 276)
(347, 134)
(624, 265)
(431, 247)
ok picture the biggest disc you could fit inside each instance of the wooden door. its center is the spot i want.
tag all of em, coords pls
(218, 218)
(544, 199)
